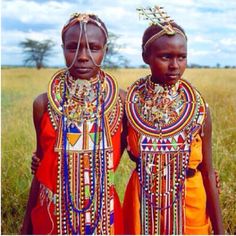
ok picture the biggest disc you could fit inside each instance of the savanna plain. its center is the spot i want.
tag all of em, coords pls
(20, 86)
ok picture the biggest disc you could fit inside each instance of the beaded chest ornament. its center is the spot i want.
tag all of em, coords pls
(166, 119)
(82, 113)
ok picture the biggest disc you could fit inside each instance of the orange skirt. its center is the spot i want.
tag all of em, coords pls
(197, 221)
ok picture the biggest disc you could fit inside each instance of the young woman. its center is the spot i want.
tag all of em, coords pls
(172, 190)
(78, 124)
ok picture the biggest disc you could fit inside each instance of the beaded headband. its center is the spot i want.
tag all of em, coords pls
(157, 16)
(84, 18)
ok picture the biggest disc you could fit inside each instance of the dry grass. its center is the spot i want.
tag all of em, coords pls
(19, 88)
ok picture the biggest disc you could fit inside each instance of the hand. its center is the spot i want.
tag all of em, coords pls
(217, 177)
(34, 163)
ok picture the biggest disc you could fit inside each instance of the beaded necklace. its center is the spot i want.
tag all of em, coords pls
(77, 110)
(166, 119)
(66, 173)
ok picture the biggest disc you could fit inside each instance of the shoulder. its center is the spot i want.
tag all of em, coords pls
(40, 102)
(40, 106)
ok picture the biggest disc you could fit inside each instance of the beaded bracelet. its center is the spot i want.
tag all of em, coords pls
(35, 161)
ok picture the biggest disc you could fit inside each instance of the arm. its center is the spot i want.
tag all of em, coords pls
(124, 134)
(213, 205)
(122, 94)
(39, 107)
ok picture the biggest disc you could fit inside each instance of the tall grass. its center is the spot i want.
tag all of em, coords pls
(20, 86)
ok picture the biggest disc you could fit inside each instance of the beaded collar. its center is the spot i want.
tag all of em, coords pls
(81, 95)
(158, 111)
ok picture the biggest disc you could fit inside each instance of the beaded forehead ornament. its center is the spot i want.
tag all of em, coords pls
(83, 19)
(157, 16)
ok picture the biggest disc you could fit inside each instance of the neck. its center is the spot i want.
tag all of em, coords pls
(155, 82)
(92, 80)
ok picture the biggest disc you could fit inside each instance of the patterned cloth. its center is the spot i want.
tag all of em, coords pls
(77, 193)
(163, 135)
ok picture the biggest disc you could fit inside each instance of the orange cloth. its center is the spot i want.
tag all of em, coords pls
(43, 222)
(197, 221)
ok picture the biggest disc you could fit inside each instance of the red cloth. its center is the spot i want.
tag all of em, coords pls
(43, 222)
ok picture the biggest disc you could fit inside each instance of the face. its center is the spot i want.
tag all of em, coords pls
(83, 67)
(167, 58)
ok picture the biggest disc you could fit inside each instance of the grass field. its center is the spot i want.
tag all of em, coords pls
(20, 86)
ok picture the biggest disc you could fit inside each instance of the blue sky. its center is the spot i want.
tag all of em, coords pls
(210, 26)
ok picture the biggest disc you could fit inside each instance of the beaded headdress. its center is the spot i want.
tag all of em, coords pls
(157, 16)
(84, 18)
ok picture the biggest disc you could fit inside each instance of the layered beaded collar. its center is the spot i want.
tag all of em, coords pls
(160, 104)
(158, 88)
(79, 97)
(80, 90)
(83, 98)
(158, 111)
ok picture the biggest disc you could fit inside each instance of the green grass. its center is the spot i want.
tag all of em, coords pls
(20, 86)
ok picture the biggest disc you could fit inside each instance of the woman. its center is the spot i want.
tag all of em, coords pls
(78, 124)
(172, 190)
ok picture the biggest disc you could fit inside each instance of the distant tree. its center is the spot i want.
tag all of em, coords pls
(143, 66)
(36, 52)
(113, 58)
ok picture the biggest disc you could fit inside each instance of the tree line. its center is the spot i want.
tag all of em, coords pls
(36, 53)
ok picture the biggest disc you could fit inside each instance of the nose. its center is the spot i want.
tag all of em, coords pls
(83, 54)
(174, 63)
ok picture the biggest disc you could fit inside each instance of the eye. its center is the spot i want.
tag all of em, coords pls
(95, 47)
(71, 47)
(165, 57)
(182, 57)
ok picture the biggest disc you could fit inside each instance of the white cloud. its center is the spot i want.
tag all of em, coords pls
(200, 39)
(50, 12)
(210, 24)
(13, 37)
(229, 42)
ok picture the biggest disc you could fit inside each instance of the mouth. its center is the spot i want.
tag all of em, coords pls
(83, 70)
(173, 76)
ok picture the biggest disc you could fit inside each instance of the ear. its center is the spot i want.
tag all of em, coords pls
(63, 48)
(145, 57)
(105, 49)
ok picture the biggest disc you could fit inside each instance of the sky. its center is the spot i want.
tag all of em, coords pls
(209, 24)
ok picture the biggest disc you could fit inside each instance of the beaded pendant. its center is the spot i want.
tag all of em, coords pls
(166, 118)
(82, 112)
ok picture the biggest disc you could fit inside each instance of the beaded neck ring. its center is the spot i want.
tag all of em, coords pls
(84, 19)
(157, 16)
